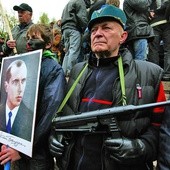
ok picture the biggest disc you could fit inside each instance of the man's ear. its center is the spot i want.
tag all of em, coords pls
(124, 36)
(5, 85)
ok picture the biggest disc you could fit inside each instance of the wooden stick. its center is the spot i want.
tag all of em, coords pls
(7, 25)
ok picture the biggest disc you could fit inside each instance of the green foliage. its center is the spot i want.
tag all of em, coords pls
(12, 22)
(53, 20)
(3, 34)
(44, 19)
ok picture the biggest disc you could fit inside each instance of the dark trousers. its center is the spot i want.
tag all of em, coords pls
(162, 32)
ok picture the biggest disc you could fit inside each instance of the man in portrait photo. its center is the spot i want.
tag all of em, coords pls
(15, 117)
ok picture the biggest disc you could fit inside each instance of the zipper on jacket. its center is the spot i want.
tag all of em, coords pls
(97, 62)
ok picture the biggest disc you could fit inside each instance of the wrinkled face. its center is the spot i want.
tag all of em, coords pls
(106, 38)
(16, 86)
(24, 16)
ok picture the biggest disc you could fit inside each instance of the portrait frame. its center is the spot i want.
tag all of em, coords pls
(33, 64)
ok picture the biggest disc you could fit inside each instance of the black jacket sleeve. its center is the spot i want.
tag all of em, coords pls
(164, 147)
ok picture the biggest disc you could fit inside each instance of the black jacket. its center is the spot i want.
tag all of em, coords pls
(148, 76)
(74, 16)
(50, 95)
(164, 148)
(137, 13)
(162, 13)
(22, 126)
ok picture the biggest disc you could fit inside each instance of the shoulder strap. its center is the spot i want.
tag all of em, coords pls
(122, 83)
(71, 89)
(122, 80)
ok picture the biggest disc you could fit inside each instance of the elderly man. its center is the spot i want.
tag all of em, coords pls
(19, 32)
(112, 78)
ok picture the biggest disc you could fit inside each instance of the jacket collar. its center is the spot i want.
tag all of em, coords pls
(126, 57)
(99, 62)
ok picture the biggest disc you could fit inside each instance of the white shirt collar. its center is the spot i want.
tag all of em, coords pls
(14, 113)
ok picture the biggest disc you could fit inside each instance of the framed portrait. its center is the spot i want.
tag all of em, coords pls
(19, 82)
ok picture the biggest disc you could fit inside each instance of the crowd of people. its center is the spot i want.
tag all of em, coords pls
(95, 57)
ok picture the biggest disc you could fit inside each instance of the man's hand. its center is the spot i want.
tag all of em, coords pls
(11, 44)
(125, 151)
(56, 148)
(8, 154)
(151, 15)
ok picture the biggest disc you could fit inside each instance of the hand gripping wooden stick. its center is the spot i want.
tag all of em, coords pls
(7, 25)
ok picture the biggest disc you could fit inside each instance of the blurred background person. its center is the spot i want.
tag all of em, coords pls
(58, 46)
(73, 24)
(138, 27)
(161, 25)
(19, 41)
